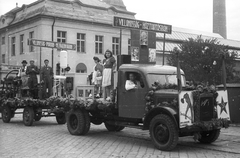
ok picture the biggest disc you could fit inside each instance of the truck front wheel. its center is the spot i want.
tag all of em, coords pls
(77, 123)
(208, 137)
(163, 132)
(113, 128)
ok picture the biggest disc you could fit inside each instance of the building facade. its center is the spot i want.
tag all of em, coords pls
(86, 23)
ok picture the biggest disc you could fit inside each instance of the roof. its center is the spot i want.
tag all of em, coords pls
(150, 68)
(180, 34)
(85, 10)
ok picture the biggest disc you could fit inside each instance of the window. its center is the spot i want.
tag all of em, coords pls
(81, 68)
(3, 40)
(21, 44)
(3, 58)
(31, 36)
(61, 36)
(136, 78)
(81, 42)
(13, 46)
(115, 45)
(129, 46)
(99, 44)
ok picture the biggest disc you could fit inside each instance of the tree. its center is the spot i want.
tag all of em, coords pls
(201, 60)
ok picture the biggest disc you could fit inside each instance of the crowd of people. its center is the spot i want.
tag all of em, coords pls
(30, 82)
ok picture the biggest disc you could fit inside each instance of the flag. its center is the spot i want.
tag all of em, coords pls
(224, 75)
(179, 74)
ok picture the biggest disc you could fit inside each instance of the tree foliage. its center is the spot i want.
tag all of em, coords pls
(201, 60)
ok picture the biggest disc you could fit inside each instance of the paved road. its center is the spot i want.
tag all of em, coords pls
(47, 139)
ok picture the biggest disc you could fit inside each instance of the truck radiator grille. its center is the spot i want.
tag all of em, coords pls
(206, 107)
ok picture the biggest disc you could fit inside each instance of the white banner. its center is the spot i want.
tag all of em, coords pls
(223, 105)
(186, 108)
(63, 59)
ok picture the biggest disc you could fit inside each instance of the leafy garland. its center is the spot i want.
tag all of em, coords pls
(213, 124)
(57, 103)
(150, 96)
(200, 89)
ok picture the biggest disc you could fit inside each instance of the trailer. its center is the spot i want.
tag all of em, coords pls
(13, 97)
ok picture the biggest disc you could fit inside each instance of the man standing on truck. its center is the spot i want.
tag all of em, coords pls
(46, 76)
(32, 71)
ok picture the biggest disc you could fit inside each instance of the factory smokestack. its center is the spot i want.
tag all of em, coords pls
(219, 18)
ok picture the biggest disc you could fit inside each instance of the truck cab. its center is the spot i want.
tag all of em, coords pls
(132, 103)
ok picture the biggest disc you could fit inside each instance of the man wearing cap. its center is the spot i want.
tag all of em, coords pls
(23, 75)
(32, 71)
(46, 76)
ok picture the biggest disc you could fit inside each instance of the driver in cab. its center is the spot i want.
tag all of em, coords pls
(132, 83)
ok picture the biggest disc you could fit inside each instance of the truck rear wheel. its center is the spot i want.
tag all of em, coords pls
(163, 132)
(113, 128)
(87, 122)
(6, 114)
(38, 116)
(28, 116)
(77, 122)
(60, 118)
(208, 137)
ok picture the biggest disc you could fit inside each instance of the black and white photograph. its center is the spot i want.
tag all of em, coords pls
(135, 53)
(143, 37)
(119, 79)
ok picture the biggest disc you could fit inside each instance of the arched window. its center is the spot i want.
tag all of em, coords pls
(81, 68)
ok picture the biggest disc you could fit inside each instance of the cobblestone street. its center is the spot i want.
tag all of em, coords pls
(48, 139)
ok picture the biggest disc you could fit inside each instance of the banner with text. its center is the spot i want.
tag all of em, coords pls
(142, 25)
(50, 44)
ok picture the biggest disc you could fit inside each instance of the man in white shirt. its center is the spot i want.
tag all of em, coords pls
(132, 83)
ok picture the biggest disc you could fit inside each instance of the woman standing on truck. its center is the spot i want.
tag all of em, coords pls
(97, 76)
(109, 65)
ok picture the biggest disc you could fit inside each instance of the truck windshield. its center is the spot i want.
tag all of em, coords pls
(164, 79)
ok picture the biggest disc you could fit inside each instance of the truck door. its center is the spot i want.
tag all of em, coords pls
(132, 102)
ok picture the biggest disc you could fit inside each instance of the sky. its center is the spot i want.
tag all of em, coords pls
(188, 14)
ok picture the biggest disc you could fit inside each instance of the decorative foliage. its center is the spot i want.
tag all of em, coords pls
(58, 103)
(213, 124)
(150, 96)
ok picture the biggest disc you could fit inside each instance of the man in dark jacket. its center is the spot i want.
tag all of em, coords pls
(32, 72)
(46, 76)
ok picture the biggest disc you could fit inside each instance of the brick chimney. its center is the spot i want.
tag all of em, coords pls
(219, 18)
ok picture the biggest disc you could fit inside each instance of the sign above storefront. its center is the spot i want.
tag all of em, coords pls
(142, 25)
(50, 44)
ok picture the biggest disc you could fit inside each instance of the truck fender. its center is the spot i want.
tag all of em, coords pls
(160, 110)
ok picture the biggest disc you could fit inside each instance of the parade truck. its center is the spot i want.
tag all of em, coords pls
(162, 104)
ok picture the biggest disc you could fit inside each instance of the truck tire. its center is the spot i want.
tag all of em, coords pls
(38, 116)
(113, 128)
(6, 114)
(163, 132)
(87, 122)
(76, 122)
(61, 118)
(208, 137)
(28, 116)
(12, 113)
